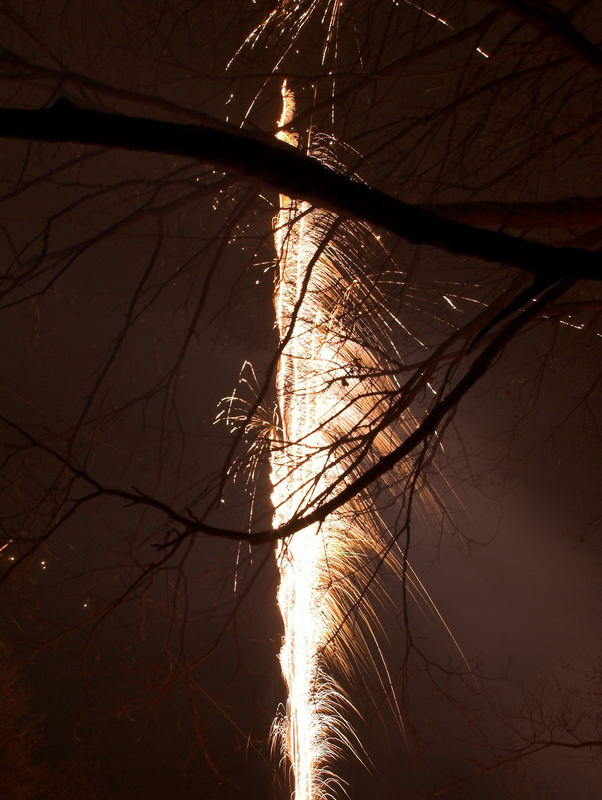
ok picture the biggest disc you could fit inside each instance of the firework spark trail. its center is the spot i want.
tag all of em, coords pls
(340, 408)
(335, 387)
(331, 389)
(308, 729)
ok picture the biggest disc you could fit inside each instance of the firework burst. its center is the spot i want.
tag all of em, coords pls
(334, 385)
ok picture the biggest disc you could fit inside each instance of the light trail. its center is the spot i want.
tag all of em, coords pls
(340, 408)
(299, 464)
(336, 387)
(331, 387)
(288, 18)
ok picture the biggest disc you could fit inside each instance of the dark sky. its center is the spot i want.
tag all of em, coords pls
(165, 684)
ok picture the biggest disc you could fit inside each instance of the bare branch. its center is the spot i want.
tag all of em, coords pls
(570, 212)
(281, 167)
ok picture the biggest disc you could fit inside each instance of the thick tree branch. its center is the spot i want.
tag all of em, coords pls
(569, 212)
(281, 167)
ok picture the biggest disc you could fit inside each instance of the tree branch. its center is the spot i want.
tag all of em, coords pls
(569, 212)
(276, 164)
(192, 525)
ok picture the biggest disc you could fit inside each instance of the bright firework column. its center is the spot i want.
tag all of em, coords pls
(312, 729)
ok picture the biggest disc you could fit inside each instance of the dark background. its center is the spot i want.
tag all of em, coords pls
(168, 686)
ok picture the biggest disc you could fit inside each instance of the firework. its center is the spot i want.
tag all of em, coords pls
(340, 408)
(332, 387)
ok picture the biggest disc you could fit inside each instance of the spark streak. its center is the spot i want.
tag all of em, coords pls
(340, 408)
(309, 727)
(327, 404)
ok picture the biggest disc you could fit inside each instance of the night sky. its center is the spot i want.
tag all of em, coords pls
(137, 301)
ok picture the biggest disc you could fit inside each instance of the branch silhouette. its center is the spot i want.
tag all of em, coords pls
(275, 164)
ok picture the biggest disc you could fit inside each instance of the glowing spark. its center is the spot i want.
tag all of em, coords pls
(338, 405)
(298, 467)
(419, 7)
(288, 18)
(339, 410)
(330, 391)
